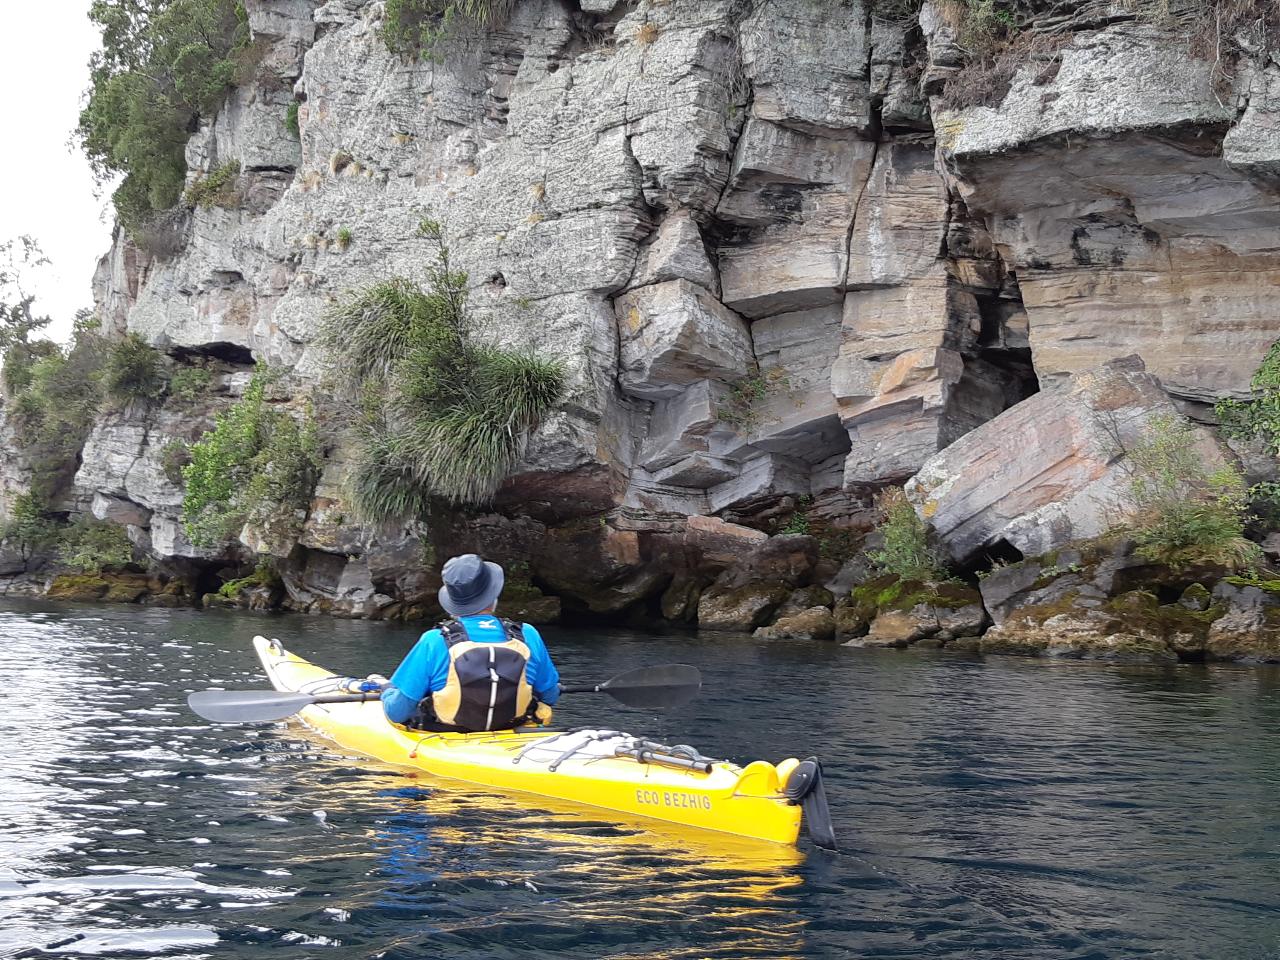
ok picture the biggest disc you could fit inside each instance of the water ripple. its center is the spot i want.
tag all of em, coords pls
(992, 809)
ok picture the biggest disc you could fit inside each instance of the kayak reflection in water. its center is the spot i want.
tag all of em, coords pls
(475, 671)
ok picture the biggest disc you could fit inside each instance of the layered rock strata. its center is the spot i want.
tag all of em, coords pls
(779, 270)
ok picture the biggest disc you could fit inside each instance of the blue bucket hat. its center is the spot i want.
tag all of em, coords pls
(471, 585)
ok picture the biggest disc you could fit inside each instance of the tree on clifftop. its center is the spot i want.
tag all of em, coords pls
(163, 67)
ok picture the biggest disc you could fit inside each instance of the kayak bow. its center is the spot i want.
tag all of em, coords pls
(605, 769)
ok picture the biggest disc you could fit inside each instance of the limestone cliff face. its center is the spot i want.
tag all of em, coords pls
(775, 265)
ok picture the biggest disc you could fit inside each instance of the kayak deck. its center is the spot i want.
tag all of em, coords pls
(579, 766)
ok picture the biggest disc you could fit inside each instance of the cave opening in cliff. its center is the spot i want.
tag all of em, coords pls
(1001, 553)
(230, 353)
(997, 372)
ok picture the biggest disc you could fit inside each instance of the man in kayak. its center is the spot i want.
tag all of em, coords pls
(473, 672)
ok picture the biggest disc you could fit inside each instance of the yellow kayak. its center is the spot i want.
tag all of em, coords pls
(604, 769)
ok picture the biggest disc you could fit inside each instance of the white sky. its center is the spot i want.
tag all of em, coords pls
(46, 188)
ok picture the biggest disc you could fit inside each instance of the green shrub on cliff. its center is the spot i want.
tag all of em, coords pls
(1183, 510)
(906, 552)
(414, 27)
(132, 370)
(91, 546)
(53, 409)
(164, 66)
(190, 385)
(51, 392)
(440, 415)
(1259, 416)
(257, 465)
(217, 188)
(28, 527)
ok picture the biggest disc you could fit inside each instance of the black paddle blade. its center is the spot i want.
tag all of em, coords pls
(669, 685)
(247, 706)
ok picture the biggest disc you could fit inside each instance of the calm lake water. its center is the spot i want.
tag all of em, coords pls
(988, 809)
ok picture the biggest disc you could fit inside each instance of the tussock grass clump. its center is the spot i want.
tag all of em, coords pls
(414, 28)
(999, 36)
(440, 415)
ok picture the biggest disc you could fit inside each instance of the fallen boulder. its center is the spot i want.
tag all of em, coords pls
(1050, 470)
(747, 594)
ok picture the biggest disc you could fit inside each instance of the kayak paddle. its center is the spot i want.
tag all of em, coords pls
(670, 685)
(256, 706)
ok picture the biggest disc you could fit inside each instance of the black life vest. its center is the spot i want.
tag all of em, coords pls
(487, 687)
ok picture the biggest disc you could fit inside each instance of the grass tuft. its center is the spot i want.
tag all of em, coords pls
(440, 415)
(217, 188)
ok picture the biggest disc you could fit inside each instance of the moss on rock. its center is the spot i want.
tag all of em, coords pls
(77, 587)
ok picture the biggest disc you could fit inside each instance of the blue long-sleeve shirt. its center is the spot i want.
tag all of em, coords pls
(426, 668)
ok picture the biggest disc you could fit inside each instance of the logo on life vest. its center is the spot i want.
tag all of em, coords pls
(673, 798)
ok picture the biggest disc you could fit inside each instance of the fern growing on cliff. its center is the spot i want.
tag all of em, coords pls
(164, 66)
(440, 415)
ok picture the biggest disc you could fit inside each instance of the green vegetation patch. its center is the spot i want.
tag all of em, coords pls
(164, 66)
(1270, 586)
(414, 28)
(263, 575)
(28, 527)
(890, 592)
(217, 188)
(133, 370)
(92, 546)
(439, 414)
(906, 553)
(190, 385)
(1185, 511)
(258, 465)
(1257, 418)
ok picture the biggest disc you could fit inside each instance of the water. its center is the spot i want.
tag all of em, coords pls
(988, 809)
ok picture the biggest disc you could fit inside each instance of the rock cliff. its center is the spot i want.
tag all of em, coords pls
(781, 266)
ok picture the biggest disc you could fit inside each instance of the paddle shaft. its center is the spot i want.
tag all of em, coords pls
(647, 687)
